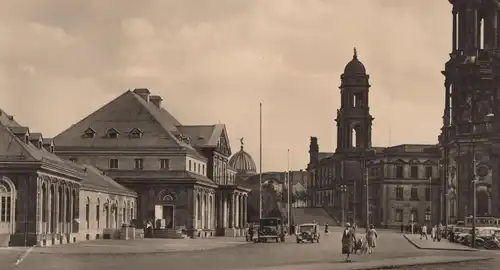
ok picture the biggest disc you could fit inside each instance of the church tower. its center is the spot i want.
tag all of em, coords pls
(354, 122)
(471, 109)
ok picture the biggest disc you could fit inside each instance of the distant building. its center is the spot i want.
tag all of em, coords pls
(180, 172)
(46, 200)
(399, 189)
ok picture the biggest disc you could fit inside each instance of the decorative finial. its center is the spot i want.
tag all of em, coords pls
(242, 143)
(355, 56)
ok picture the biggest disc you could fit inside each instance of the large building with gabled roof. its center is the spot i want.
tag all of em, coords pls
(46, 200)
(180, 172)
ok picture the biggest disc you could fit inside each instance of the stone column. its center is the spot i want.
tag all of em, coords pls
(242, 212)
(225, 213)
(71, 211)
(236, 210)
(195, 209)
(231, 210)
(56, 212)
(50, 208)
(203, 210)
(214, 213)
(245, 209)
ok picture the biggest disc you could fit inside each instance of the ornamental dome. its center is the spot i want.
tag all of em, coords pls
(354, 67)
(242, 162)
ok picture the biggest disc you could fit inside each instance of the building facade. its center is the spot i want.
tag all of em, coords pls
(357, 182)
(179, 172)
(44, 198)
(469, 139)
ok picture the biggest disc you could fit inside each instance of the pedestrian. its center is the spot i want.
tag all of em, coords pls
(439, 232)
(348, 241)
(433, 233)
(423, 232)
(371, 239)
(326, 229)
(402, 228)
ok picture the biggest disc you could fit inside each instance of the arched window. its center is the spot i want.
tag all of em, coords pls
(6, 203)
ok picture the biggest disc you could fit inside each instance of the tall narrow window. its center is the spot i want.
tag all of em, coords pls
(87, 213)
(481, 34)
(399, 171)
(414, 172)
(354, 137)
(139, 163)
(113, 163)
(190, 166)
(98, 213)
(164, 164)
(428, 172)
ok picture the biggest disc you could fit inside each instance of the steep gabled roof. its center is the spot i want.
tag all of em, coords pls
(124, 113)
(13, 148)
(95, 179)
(203, 135)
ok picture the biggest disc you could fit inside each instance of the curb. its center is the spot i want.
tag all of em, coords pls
(443, 249)
(399, 266)
(131, 253)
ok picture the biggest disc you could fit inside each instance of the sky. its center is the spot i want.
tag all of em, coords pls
(215, 61)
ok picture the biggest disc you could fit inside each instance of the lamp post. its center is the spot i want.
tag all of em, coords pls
(343, 190)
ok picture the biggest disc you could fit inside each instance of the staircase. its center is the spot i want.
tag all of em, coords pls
(310, 214)
(168, 233)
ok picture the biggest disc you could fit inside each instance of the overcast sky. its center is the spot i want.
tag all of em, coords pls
(214, 61)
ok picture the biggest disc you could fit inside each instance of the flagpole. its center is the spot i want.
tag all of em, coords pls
(289, 190)
(260, 164)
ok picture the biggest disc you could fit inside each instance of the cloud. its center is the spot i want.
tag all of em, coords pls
(216, 60)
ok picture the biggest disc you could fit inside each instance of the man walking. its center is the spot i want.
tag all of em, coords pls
(423, 232)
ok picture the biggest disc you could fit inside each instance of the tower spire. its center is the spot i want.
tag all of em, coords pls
(355, 56)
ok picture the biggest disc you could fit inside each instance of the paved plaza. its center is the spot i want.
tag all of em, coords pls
(225, 254)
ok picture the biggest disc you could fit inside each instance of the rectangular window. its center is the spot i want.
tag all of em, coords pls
(399, 193)
(414, 194)
(113, 163)
(190, 166)
(199, 168)
(87, 215)
(414, 172)
(399, 215)
(399, 171)
(427, 194)
(203, 169)
(139, 163)
(428, 171)
(164, 164)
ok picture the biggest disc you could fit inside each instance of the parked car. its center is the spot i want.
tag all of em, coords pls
(483, 234)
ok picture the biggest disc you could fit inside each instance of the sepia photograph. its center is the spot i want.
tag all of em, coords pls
(249, 134)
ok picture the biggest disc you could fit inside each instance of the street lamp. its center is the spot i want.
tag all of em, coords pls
(343, 190)
(474, 182)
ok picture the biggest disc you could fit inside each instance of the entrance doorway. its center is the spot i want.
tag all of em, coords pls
(164, 216)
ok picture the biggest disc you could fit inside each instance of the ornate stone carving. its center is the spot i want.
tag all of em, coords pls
(167, 195)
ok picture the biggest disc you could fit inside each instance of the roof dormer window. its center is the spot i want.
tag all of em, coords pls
(135, 133)
(40, 145)
(89, 133)
(112, 133)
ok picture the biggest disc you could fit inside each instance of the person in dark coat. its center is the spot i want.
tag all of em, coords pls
(348, 241)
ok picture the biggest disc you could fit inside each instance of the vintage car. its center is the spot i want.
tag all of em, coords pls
(308, 232)
(270, 228)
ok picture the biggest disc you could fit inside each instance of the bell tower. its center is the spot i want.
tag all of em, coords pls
(469, 139)
(354, 122)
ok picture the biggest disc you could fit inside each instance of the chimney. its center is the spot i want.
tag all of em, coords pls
(156, 100)
(313, 150)
(143, 93)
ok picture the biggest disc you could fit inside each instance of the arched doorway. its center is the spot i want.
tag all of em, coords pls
(7, 206)
(483, 208)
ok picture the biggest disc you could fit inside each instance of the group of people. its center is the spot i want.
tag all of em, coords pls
(351, 244)
(437, 232)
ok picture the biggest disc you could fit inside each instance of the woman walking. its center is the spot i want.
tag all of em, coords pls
(348, 241)
(371, 239)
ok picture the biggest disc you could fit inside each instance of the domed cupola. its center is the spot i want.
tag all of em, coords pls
(354, 67)
(242, 162)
